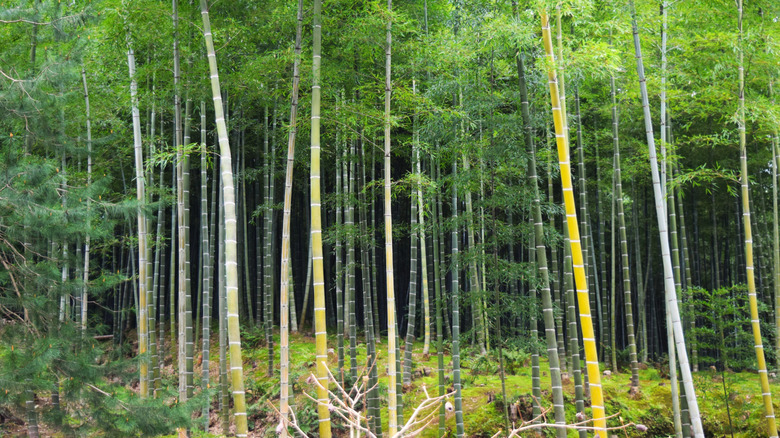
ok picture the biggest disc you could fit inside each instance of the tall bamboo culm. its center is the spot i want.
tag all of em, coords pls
(320, 330)
(775, 233)
(141, 196)
(669, 287)
(206, 250)
(284, 297)
(624, 243)
(769, 413)
(231, 267)
(84, 301)
(541, 262)
(391, 325)
(586, 321)
(455, 272)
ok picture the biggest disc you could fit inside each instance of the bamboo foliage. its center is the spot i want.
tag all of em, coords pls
(231, 267)
(769, 412)
(591, 358)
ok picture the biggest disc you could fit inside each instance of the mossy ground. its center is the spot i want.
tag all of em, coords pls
(482, 397)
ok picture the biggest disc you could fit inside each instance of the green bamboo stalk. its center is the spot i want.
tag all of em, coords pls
(351, 261)
(172, 270)
(244, 237)
(65, 298)
(571, 316)
(181, 236)
(601, 226)
(769, 412)
(424, 265)
(639, 283)
(307, 288)
(206, 267)
(412, 314)
(475, 289)
(284, 281)
(455, 272)
(613, 282)
(775, 233)
(224, 397)
(439, 216)
(236, 365)
(259, 257)
(541, 260)
(340, 314)
(158, 276)
(268, 233)
(541, 257)
(373, 411)
(686, 257)
(536, 374)
(84, 300)
(143, 331)
(623, 242)
(374, 257)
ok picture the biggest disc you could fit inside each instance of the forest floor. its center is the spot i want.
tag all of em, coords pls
(482, 394)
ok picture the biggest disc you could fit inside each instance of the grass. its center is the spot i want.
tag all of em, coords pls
(482, 400)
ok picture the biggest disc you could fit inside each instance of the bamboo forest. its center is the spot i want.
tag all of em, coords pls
(348, 218)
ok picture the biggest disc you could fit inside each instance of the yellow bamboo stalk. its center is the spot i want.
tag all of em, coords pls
(231, 246)
(391, 336)
(586, 321)
(766, 393)
(320, 329)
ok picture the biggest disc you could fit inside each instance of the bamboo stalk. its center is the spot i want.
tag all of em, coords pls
(591, 358)
(671, 293)
(769, 412)
(236, 365)
(316, 231)
(143, 332)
